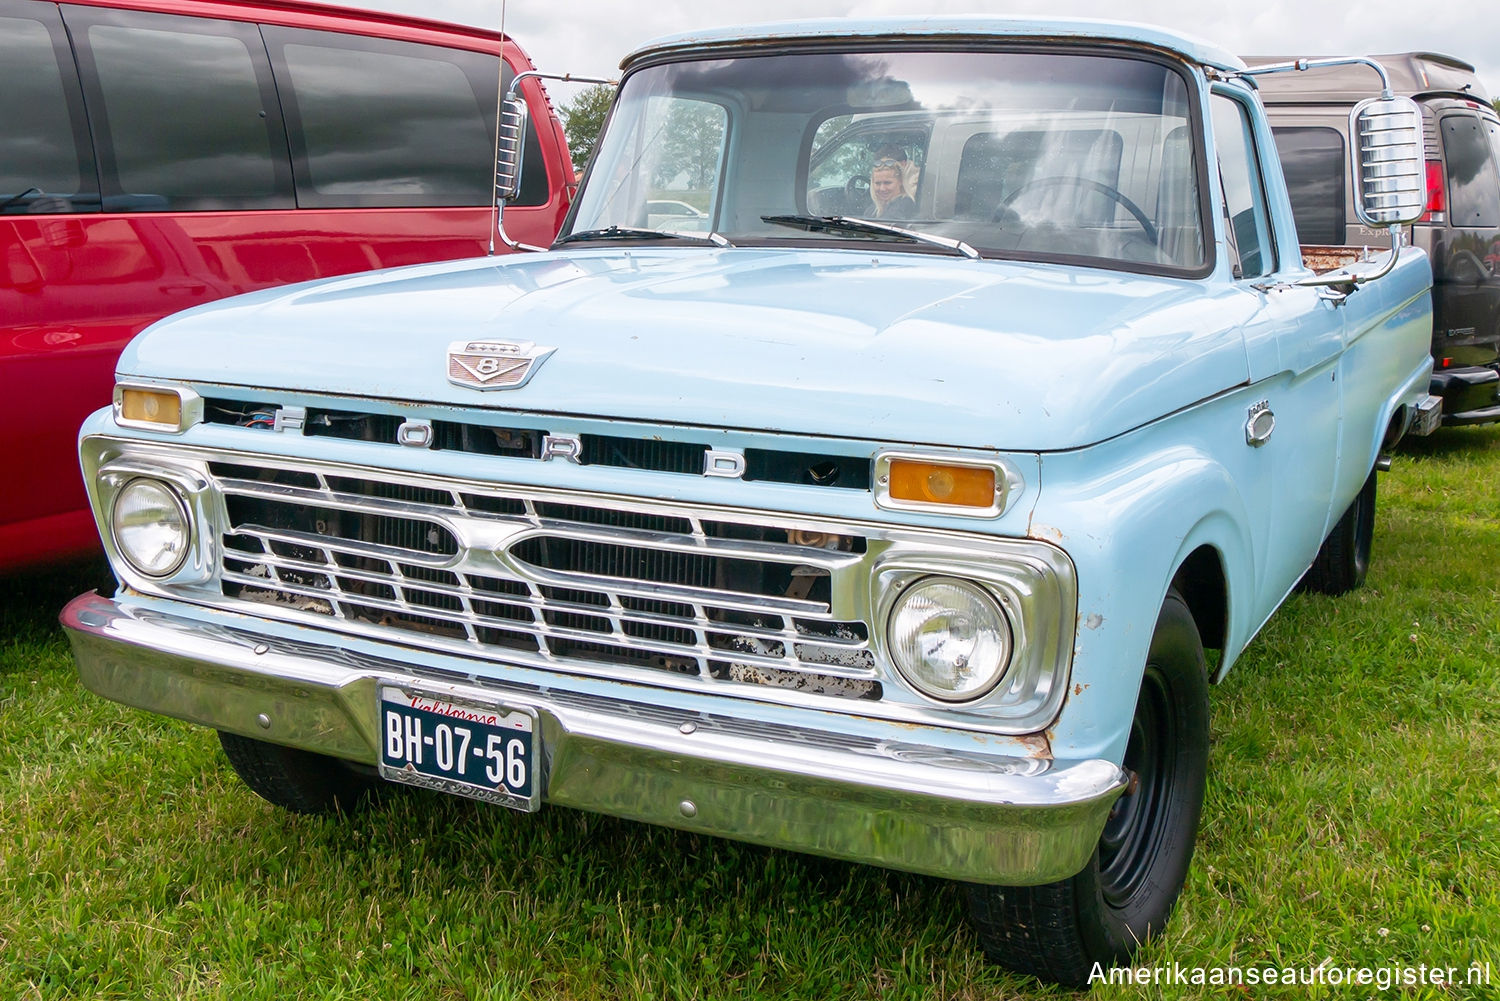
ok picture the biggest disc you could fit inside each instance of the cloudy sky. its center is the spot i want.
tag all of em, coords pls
(589, 36)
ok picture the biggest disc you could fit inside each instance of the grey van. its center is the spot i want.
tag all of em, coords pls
(1309, 115)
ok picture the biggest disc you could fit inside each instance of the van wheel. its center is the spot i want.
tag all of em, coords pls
(1344, 558)
(1059, 931)
(296, 780)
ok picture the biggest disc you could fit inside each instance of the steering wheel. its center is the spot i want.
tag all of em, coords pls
(1084, 182)
(857, 193)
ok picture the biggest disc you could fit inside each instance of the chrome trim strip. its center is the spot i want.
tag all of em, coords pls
(824, 783)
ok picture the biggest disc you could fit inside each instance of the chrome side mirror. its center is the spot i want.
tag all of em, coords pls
(510, 148)
(1390, 186)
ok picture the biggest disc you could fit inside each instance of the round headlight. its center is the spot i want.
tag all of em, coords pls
(949, 638)
(151, 527)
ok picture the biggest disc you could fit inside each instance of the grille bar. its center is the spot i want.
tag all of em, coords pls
(696, 543)
(468, 620)
(530, 601)
(502, 574)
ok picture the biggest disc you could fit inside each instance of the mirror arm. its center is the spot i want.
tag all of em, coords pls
(1346, 281)
(1302, 65)
(497, 204)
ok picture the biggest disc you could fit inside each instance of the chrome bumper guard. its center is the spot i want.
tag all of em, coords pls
(717, 765)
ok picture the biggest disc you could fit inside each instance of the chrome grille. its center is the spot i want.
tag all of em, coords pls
(506, 575)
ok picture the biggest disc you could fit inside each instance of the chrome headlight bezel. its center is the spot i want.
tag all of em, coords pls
(171, 500)
(188, 484)
(1035, 587)
(982, 602)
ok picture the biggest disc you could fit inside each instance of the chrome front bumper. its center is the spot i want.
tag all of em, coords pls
(847, 787)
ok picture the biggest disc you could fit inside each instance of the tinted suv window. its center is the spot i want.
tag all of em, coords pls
(46, 164)
(1313, 161)
(378, 122)
(1473, 184)
(184, 111)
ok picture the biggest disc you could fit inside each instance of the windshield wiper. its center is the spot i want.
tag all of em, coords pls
(636, 233)
(18, 199)
(867, 227)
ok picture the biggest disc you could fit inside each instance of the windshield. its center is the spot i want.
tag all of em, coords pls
(1033, 155)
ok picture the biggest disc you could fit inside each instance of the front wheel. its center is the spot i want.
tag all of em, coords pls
(1060, 931)
(295, 780)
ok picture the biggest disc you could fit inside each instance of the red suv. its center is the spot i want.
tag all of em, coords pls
(159, 154)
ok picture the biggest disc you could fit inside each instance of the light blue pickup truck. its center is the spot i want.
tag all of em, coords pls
(880, 502)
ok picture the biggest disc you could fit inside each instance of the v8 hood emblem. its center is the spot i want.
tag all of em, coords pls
(494, 364)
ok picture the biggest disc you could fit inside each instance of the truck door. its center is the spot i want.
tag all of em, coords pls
(1293, 347)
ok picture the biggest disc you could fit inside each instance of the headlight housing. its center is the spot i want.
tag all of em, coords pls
(151, 528)
(949, 638)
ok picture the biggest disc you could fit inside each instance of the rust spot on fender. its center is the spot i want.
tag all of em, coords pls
(1078, 689)
(1045, 533)
(1038, 746)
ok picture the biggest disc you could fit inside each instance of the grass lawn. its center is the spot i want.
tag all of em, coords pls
(1353, 819)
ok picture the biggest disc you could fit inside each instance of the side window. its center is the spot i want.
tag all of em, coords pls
(376, 122)
(1244, 208)
(183, 110)
(46, 160)
(1473, 184)
(1313, 161)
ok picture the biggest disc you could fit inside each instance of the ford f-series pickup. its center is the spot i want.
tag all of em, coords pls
(878, 500)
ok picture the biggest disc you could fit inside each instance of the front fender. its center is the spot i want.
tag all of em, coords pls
(1129, 512)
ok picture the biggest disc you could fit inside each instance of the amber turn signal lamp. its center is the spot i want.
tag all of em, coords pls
(939, 483)
(151, 407)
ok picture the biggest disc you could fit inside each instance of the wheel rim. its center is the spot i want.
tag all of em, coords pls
(1133, 831)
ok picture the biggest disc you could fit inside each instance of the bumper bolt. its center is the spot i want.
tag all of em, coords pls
(264, 721)
(688, 808)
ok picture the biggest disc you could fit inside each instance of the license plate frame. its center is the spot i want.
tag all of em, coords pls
(478, 738)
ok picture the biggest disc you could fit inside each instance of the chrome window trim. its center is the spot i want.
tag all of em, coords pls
(1008, 484)
(190, 407)
(1010, 568)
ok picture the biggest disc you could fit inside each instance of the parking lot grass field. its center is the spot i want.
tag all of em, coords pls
(1353, 820)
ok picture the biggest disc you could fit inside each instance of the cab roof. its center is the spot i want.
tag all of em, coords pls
(939, 28)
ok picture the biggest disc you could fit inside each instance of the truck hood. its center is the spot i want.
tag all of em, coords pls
(894, 347)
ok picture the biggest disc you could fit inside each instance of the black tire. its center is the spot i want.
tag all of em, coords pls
(1344, 558)
(1059, 931)
(300, 781)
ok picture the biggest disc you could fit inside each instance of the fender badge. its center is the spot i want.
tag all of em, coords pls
(1259, 425)
(489, 365)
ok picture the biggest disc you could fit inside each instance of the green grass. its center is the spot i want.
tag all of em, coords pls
(1353, 815)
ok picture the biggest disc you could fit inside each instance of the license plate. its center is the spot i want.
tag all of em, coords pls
(484, 750)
